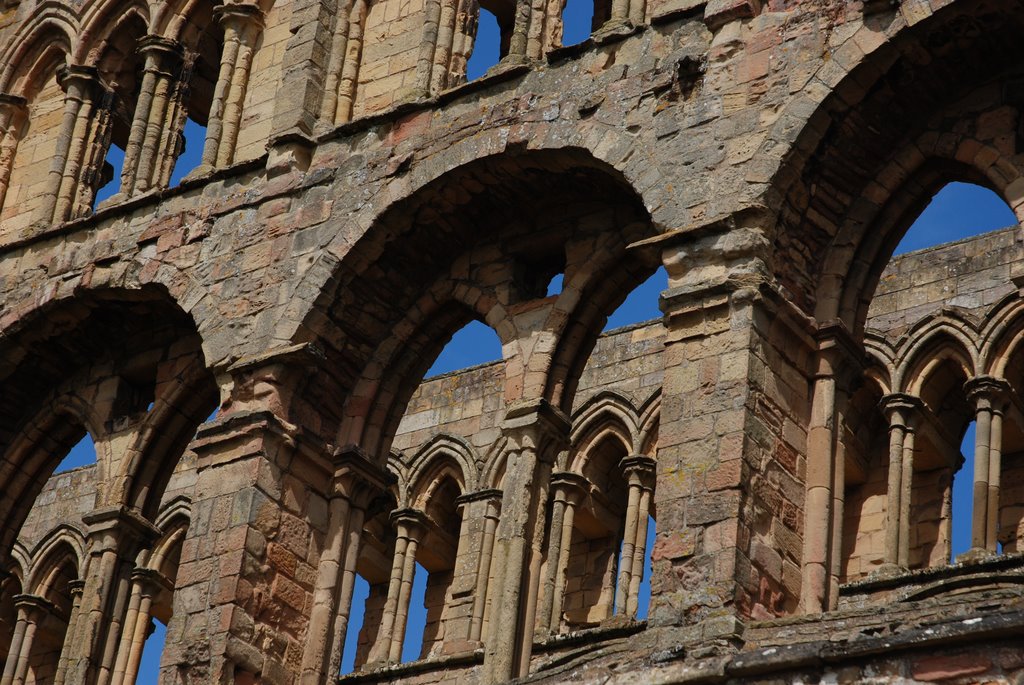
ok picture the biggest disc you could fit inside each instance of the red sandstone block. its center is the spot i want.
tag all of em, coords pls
(946, 667)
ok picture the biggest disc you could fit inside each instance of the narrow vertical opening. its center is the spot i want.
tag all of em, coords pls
(416, 623)
(82, 454)
(357, 611)
(579, 21)
(487, 46)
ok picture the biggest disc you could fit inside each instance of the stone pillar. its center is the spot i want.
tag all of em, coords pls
(242, 26)
(640, 472)
(491, 501)
(116, 534)
(736, 395)
(568, 490)
(902, 412)
(13, 114)
(410, 526)
(357, 484)
(75, 587)
(261, 517)
(161, 59)
(535, 432)
(147, 585)
(990, 397)
(79, 84)
(836, 356)
(350, 65)
(32, 611)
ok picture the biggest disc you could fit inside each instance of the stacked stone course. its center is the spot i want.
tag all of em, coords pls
(792, 424)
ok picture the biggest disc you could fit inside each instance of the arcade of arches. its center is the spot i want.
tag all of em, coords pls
(247, 350)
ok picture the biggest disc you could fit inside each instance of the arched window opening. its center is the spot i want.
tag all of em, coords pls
(555, 285)
(642, 302)
(356, 615)
(473, 344)
(152, 653)
(644, 596)
(962, 496)
(120, 68)
(415, 629)
(580, 18)
(82, 454)
(594, 565)
(190, 155)
(957, 211)
(489, 45)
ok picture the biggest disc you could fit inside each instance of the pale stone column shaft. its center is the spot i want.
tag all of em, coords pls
(159, 57)
(411, 527)
(639, 553)
(903, 412)
(246, 27)
(558, 506)
(528, 605)
(990, 398)
(483, 572)
(335, 64)
(906, 494)
(442, 61)
(124, 649)
(140, 631)
(14, 650)
(818, 503)
(78, 83)
(13, 112)
(428, 45)
(565, 548)
(215, 121)
(894, 490)
(348, 581)
(350, 67)
(381, 648)
(628, 542)
(838, 504)
(32, 611)
(76, 587)
(76, 157)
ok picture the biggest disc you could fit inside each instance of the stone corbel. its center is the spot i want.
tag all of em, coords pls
(718, 13)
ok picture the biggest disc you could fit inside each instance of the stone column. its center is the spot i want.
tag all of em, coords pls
(116, 534)
(990, 397)
(32, 611)
(640, 472)
(13, 114)
(410, 526)
(357, 484)
(75, 587)
(568, 490)
(161, 59)
(535, 431)
(901, 411)
(79, 84)
(242, 26)
(350, 65)
(149, 585)
(822, 525)
(88, 126)
(491, 500)
(263, 463)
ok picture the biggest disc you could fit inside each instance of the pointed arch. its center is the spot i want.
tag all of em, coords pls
(63, 544)
(32, 50)
(935, 341)
(102, 20)
(440, 452)
(606, 415)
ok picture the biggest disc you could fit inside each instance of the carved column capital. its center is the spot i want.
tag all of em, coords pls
(239, 16)
(34, 607)
(111, 527)
(570, 487)
(79, 82)
(357, 478)
(902, 409)
(413, 521)
(539, 425)
(988, 392)
(641, 469)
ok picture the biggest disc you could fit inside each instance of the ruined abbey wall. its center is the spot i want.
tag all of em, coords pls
(358, 201)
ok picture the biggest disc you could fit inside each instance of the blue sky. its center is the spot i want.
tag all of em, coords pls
(958, 211)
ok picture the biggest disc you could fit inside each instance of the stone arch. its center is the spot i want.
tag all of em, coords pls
(51, 30)
(868, 112)
(63, 544)
(1001, 336)
(930, 344)
(442, 451)
(100, 21)
(881, 356)
(132, 343)
(606, 415)
(423, 312)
